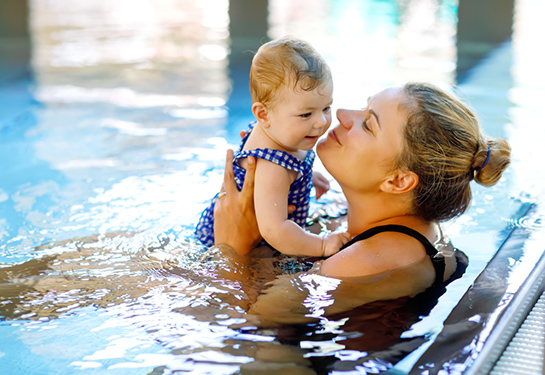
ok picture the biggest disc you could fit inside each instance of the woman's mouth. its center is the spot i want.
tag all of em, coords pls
(332, 134)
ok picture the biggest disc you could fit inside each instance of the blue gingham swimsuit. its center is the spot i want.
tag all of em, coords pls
(299, 194)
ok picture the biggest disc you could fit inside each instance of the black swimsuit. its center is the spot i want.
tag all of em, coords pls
(437, 259)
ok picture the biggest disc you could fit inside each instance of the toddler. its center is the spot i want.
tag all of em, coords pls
(291, 89)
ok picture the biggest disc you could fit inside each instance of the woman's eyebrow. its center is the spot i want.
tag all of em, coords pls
(376, 117)
(373, 112)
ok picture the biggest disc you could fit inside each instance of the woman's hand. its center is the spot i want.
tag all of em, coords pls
(235, 223)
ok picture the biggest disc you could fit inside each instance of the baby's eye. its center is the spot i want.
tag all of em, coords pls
(327, 109)
(305, 115)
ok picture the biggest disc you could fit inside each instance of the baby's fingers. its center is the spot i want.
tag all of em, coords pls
(345, 237)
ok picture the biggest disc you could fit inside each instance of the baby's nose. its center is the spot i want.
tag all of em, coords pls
(321, 121)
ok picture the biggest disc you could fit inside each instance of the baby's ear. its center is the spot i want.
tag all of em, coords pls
(400, 182)
(261, 113)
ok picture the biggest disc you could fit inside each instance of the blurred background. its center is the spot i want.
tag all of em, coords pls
(96, 92)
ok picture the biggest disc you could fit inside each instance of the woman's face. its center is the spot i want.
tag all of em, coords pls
(360, 151)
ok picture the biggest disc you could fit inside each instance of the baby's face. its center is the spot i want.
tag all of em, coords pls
(300, 117)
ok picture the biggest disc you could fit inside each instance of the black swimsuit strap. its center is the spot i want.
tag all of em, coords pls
(437, 259)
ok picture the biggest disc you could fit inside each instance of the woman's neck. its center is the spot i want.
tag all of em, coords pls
(369, 211)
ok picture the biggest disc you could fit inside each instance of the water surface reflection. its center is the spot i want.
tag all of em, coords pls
(210, 308)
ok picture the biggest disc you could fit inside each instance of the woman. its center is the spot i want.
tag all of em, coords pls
(404, 163)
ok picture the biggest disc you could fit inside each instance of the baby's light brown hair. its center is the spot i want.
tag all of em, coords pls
(286, 61)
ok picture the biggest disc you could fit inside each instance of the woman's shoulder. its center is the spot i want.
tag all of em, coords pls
(382, 252)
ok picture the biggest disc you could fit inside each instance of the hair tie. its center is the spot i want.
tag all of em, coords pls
(486, 161)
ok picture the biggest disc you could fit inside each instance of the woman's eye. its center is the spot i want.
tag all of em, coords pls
(365, 126)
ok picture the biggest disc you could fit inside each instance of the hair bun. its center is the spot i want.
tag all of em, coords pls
(486, 160)
(495, 157)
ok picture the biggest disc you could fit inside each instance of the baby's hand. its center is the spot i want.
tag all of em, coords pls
(332, 242)
(321, 184)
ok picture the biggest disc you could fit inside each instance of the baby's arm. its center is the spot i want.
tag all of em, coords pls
(272, 184)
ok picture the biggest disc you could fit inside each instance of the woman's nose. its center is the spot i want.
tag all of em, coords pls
(345, 117)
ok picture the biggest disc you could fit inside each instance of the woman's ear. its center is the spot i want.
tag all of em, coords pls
(400, 182)
(261, 113)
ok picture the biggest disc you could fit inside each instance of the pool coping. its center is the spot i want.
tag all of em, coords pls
(488, 315)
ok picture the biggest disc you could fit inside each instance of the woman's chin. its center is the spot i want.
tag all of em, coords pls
(321, 143)
(321, 151)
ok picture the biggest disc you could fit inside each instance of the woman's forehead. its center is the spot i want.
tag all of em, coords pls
(394, 93)
(388, 102)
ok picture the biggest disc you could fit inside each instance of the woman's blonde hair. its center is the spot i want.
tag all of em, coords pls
(444, 146)
(284, 61)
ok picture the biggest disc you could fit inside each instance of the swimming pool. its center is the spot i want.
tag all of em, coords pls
(113, 142)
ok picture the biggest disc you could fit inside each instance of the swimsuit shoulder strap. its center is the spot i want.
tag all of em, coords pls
(437, 259)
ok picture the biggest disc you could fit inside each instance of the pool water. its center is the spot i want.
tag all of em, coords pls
(113, 142)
